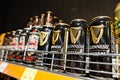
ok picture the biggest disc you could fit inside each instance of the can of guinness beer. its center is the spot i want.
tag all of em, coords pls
(100, 43)
(14, 45)
(77, 44)
(45, 41)
(58, 41)
(45, 38)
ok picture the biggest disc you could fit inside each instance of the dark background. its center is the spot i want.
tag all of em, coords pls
(14, 13)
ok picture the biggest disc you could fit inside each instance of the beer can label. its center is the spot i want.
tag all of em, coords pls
(33, 42)
(45, 40)
(77, 40)
(76, 48)
(22, 43)
(15, 43)
(44, 37)
(56, 48)
(57, 42)
(100, 49)
(98, 41)
(76, 45)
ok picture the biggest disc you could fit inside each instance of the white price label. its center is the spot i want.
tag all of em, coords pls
(3, 66)
(29, 74)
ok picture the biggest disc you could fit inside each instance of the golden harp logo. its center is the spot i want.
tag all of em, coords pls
(55, 36)
(30, 53)
(43, 37)
(2, 38)
(75, 33)
(96, 33)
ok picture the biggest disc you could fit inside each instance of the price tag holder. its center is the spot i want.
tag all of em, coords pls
(29, 74)
(3, 66)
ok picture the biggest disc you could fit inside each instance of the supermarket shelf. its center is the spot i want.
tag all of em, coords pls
(26, 73)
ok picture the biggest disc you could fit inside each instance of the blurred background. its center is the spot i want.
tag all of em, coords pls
(14, 13)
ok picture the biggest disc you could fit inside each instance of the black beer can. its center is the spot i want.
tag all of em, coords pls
(22, 43)
(46, 32)
(32, 46)
(45, 38)
(14, 45)
(58, 42)
(100, 43)
(46, 41)
(77, 44)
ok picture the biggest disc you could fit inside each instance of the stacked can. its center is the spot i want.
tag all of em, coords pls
(32, 43)
(45, 41)
(58, 43)
(22, 42)
(101, 43)
(14, 45)
(77, 45)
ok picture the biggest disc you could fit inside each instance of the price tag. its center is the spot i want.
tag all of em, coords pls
(29, 74)
(3, 66)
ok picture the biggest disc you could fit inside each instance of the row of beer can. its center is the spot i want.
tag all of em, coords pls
(79, 36)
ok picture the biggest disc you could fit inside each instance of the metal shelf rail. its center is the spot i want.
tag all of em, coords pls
(69, 63)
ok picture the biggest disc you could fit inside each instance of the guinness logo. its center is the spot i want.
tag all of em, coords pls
(2, 38)
(43, 37)
(97, 33)
(75, 33)
(30, 53)
(55, 36)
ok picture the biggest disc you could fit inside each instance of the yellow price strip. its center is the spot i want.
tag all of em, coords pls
(3, 66)
(29, 74)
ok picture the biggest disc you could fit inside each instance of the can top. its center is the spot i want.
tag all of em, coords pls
(26, 28)
(78, 23)
(61, 21)
(36, 16)
(49, 12)
(101, 17)
(100, 20)
(79, 20)
(42, 14)
(8, 32)
(20, 30)
(63, 24)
